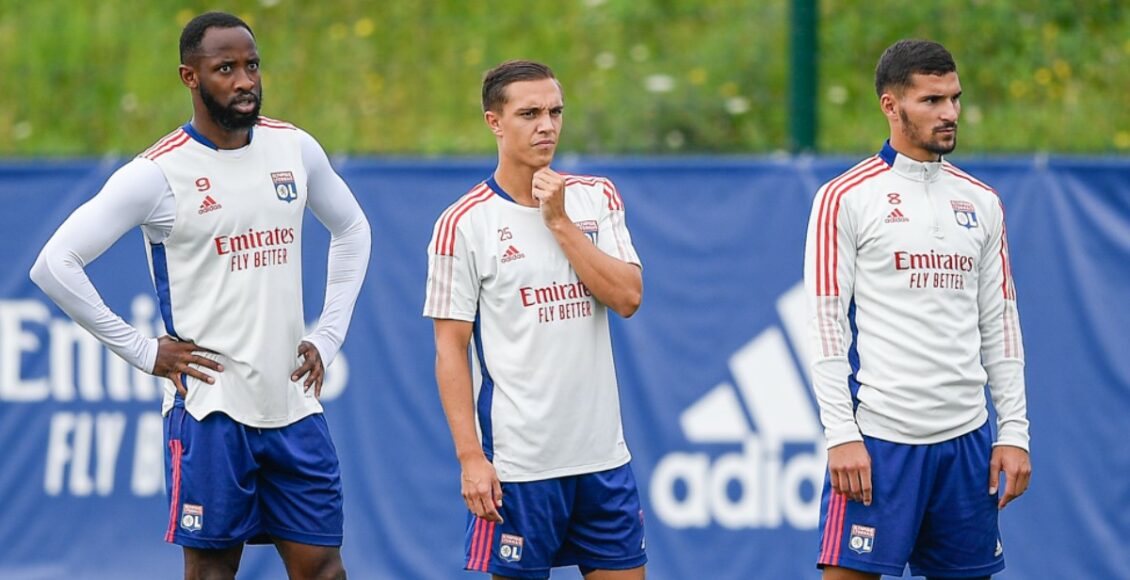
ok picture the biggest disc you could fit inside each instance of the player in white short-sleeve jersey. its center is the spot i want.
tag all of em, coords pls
(220, 201)
(523, 269)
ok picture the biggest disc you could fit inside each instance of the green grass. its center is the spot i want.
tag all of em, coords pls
(403, 76)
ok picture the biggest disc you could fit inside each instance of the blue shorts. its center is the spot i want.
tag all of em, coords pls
(593, 521)
(229, 484)
(930, 508)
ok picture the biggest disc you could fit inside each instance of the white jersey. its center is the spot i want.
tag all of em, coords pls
(912, 305)
(546, 399)
(224, 229)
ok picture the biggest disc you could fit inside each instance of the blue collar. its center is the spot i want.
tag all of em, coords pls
(200, 138)
(888, 153)
(491, 183)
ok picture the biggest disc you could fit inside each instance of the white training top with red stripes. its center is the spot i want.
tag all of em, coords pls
(912, 305)
(224, 233)
(547, 402)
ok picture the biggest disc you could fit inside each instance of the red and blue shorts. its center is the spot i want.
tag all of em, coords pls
(228, 483)
(593, 521)
(930, 508)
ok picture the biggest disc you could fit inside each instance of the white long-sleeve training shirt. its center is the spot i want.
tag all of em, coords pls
(912, 305)
(224, 235)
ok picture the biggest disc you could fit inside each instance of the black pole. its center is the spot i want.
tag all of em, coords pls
(803, 41)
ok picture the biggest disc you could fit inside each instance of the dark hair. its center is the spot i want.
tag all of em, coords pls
(194, 31)
(496, 79)
(905, 58)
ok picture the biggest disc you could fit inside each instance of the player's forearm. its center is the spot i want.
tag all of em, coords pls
(615, 283)
(345, 271)
(1006, 386)
(829, 381)
(453, 375)
(63, 279)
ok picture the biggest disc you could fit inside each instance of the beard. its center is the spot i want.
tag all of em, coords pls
(931, 144)
(226, 116)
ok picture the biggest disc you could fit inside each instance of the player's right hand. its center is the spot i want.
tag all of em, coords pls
(849, 471)
(174, 358)
(482, 492)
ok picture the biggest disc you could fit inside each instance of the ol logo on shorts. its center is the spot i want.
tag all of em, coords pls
(192, 517)
(862, 539)
(511, 548)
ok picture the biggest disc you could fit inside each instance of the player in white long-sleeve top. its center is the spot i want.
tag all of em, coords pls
(913, 311)
(220, 202)
(526, 266)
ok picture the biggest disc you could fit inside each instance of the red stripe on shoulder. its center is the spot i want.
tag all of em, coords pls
(847, 186)
(445, 237)
(827, 225)
(171, 145)
(954, 171)
(615, 202)
(162, 142)
(585, 179)
(274, 123)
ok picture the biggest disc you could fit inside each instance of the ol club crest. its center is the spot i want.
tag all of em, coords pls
(964, 213)
(285, 188)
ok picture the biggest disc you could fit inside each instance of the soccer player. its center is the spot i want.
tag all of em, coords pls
(913, 311)
(220, 202)
(527, 265)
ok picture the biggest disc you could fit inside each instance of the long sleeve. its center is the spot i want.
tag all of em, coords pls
(131, 197)
(829, 271)
(1002, 351)
(334, 205)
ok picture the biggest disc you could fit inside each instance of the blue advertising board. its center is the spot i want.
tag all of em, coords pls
(717, 407)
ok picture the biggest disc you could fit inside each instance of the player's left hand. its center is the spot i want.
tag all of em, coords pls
(1014, 463)
(549, 191)
(311, 368)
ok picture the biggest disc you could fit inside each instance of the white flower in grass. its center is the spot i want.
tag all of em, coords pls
(675, 139)
(837, 95)
(972, 115)
(737, 105)
(659, 83)
(21, 130)
(128, 103)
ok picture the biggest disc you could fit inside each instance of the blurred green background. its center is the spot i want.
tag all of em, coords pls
(641, 76)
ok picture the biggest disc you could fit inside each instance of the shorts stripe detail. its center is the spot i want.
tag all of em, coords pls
(480, 561)
(177, 451)
(480, 545)
(472, 551)
(490, 544)
(833, 529)
(839, 530)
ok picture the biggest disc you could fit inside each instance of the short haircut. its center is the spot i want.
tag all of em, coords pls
(905, 58)
(496, 79)
(193, 32)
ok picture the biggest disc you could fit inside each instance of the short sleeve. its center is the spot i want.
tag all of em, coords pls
(613, 238)
(453, 280)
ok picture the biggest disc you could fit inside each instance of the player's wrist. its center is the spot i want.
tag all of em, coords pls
(470, 455)
(555, 220)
